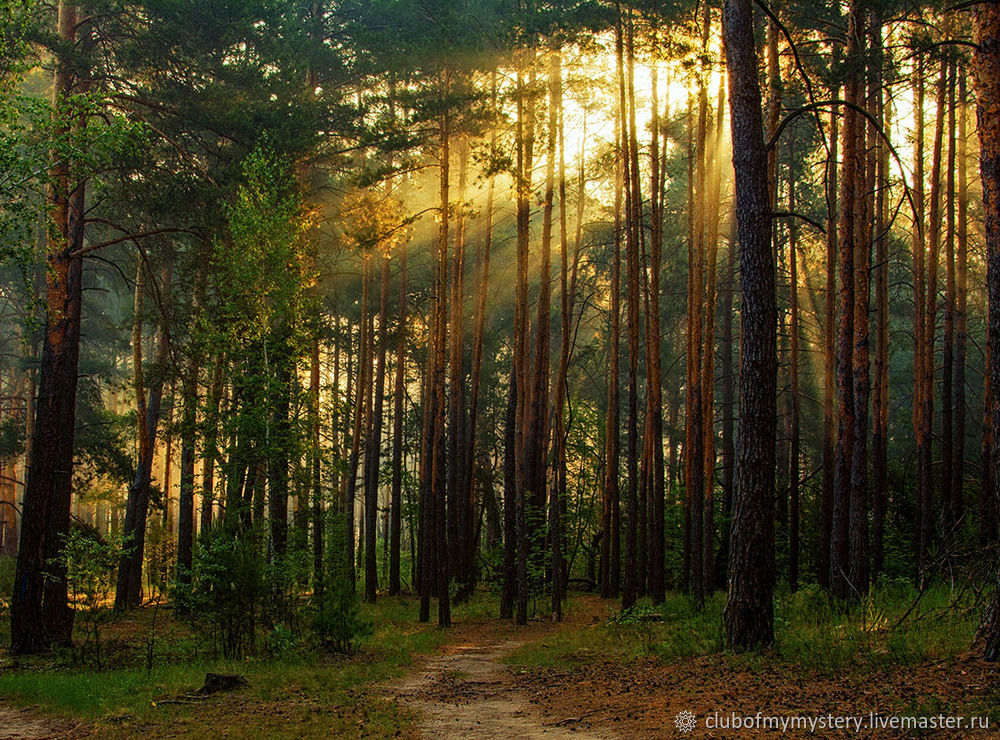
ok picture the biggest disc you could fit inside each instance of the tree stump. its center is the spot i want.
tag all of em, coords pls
(216, 682)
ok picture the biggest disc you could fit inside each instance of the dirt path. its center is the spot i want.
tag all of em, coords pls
(27, 724)
(466, 692)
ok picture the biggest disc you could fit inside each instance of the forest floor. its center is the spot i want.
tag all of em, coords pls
(597, 674)
(466, 690)
(27, 723)
(571, 680)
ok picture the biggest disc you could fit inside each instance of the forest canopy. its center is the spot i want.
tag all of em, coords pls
(361, 298)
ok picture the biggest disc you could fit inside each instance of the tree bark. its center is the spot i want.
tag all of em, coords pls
(987, 71)
(749, 613)
(396, 497)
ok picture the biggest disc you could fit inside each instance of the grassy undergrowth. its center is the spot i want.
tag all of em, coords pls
(809, 632)
(303, 692)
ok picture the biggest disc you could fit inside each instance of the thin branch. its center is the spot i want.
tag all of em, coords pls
(874, 124)
(129, 237)
(801, 217)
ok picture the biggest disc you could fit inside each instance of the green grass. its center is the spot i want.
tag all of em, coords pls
(324, 692)
(812, 633)
(306, 692)
(809, 632)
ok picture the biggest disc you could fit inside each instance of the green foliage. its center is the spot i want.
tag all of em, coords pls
(227, 585)
(283, 579)
(7, 568)
(11, 438)
(260, 268)
(127, 701)
(338, 620)
(91, 564)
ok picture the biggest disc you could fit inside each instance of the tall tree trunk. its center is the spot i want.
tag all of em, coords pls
(851, 173)
(796, 404)
(922, 449)
(522, 355)
(373, 447)
(361, 422)
(211, 424)
(951, 496)
(961, 305)
(396, 497)
(880, 391)
(654, 393)
(829, 355)
(863, 205)
(185, 513)
(714, 187)
(930, 314)
(459, 512)
(749, 613)
(610, 573)
(987, 71)
(440, 324)
(558, 427)
(694, 445)
(775, 92)
(278, 445)
(128, 591)
(633, 218)
(40, 614)
(482, 290)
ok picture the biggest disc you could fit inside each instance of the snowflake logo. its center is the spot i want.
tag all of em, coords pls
(686, 721)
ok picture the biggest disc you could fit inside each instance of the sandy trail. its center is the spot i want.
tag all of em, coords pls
(26, 724)
(466, 692)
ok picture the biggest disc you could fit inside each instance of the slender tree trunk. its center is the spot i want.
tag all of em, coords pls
(633, 204)
(558, 428)
(396, 500)
(373, 448)
(128, 592)
(610, 573)
(476, 368)
(951, 496)
(211, 423)
(961, 306)
(922, 451)
(796, 404)
(930, 313)
(775, 92)
(509, 589)
(654, 393)
(708, 370)
(438, 451)
(459, 513)
(278, 445)
(829, 355)
(694, 446)
(847, 427)
(523, 458)
(863, 206)
(880, 392)
(185, 514)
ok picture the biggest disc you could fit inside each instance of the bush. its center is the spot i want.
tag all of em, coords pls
(338, 621)
(7, 567)
(227, 586)
(91, 563)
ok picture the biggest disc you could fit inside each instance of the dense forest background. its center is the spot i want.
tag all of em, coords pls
(410, 296)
